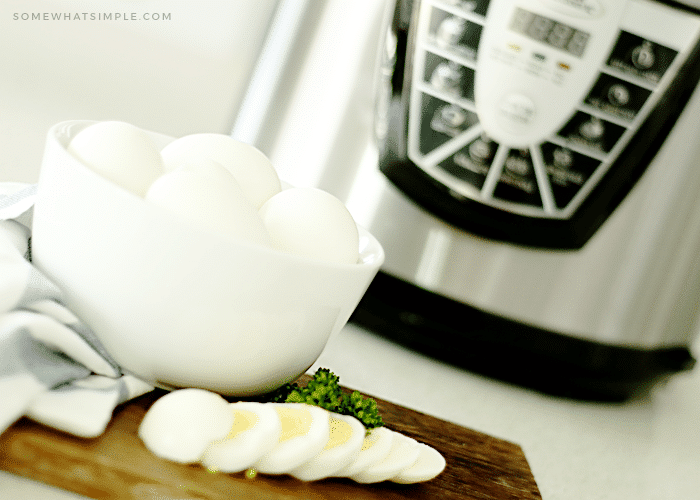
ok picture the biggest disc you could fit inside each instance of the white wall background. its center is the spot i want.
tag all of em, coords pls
(177, 75)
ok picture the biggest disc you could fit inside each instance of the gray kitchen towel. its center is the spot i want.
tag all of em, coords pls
(53, 369)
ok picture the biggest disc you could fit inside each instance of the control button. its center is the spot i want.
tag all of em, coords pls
(440, 122)
(591, 132)
(567, 171)
(471, 164)
(516, 112)
(562, 158)
(451, 116)
(475, 6)
(447, 76)
(518, 165)
(454, 34)
(592, 129)
(618, 95)
(517, 182)
(643, 56)
(481, 150)
(450, 31)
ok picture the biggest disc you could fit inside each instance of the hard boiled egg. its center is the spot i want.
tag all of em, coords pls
(255, 431)
(376, 445)
(250, 167)
(429, 464)
(180, 425)
(205, 193)
(312, 223)
(305, 432)
(343, 446)
(120, 152)
(305, 441)
(403, 454)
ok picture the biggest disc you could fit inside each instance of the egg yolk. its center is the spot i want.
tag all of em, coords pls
(368, 442)
(242, 421)
(340, 432)
(295, 422)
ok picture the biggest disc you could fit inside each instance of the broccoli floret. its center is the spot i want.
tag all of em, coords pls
(363, 409)
(280, 395)
(324, 390)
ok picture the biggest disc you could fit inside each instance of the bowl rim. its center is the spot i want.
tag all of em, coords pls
(371, 252)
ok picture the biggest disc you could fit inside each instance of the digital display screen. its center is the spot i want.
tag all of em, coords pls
(550, 32)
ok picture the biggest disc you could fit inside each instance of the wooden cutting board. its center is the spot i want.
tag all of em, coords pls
(117, 465)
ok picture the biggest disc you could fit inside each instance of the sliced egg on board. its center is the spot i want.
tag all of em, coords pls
(251, 168)
(120, 152)
(375, 447)
(305, 432)
(180, 425)
(206, 194)
(255, 431)
(305, 441)
(429, 464)
(403, 454)
(346, 437)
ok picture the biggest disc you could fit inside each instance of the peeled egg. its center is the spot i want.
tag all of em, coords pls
(403, 454)
(180, 425)
(376, 445)
(251, 168)
(305, 432)
(120, 152)
(429, 464)
(255, 431)
(343, 446)
(312, 223)
(205, 193)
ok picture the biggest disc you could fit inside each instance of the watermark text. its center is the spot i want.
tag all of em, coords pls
(92, 16)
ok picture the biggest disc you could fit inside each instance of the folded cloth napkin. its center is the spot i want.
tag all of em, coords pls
(53, 368)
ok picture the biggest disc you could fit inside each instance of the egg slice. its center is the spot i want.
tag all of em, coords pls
(312, 223)
(180, 425)
(251, 168)
(255, 431)
(206, 194)
(403, 454)
(343, 446)
(305, 430)
(120, 152)
(429, 464)
(376, 445)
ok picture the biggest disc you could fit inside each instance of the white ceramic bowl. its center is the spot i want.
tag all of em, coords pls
(175, 305)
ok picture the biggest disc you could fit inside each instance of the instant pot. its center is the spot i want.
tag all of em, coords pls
(529, 166)
(539, 170)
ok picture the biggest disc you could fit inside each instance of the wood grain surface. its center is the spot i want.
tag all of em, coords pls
(117, 465)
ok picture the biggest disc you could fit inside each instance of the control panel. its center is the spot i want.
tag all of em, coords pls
(524, 106)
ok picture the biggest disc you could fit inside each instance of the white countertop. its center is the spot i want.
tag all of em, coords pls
(646, 449)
